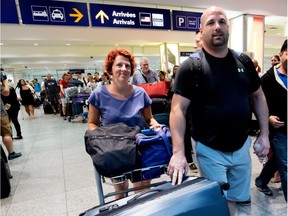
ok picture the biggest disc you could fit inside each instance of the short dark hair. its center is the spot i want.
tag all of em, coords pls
(162, 72)
(277, 57)
(284, 46)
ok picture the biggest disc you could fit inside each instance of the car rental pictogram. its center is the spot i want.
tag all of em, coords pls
(57, 14)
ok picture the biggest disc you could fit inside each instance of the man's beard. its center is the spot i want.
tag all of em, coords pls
(222, 40)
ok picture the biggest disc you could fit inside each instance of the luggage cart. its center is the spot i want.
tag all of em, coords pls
(133, 176)
(75, 106)
(195, 196)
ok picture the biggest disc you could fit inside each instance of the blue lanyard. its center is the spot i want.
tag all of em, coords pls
(283, 77)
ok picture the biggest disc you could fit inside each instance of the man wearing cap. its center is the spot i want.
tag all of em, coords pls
(274, 84)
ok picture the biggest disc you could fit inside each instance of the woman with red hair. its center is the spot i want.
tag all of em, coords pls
(120, 101)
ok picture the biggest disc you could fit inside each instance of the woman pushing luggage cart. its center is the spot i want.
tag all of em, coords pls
(120, 101)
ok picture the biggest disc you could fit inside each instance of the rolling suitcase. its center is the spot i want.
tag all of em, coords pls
(5, 176)
(47, 107)
(195, 196)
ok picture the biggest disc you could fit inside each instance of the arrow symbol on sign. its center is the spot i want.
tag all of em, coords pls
(78, 14)
(102, 15)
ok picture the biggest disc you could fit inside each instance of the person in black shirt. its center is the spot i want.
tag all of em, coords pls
(5, 130)
(220, 117)
(274, 84)
(97, 77)
(52, 92)
(12, 107)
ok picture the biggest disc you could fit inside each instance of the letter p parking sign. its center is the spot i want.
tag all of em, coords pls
(181, 22)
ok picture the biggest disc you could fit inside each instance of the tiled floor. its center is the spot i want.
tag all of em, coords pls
(55, 175)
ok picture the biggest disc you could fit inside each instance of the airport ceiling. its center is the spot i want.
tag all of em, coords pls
(45, 48)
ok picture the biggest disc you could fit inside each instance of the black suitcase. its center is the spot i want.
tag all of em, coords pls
(195, 196)
(37, 102)
(47, 107)
(5, 176)
(160, 105)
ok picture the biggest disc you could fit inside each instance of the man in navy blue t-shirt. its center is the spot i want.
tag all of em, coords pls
(52, 92)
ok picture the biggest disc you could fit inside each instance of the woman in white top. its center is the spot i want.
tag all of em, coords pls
(91, 82)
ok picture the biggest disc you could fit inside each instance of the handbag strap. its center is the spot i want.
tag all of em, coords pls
(145, 78)
(167, 143)
(114, 137)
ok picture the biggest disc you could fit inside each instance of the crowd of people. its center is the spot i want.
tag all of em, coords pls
(220, 120)
(217, 114)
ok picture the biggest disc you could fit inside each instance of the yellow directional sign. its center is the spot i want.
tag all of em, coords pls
(78, 14)
(102, 15)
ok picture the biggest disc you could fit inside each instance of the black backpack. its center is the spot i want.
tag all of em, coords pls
(5, 175)
(198, 64)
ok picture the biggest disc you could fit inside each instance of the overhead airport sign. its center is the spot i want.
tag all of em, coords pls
(129, 17)
(53, 13)
(8, 12)
(186, 21)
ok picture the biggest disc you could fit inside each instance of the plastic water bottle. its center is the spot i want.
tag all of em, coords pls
(85, 108)
(263, 159)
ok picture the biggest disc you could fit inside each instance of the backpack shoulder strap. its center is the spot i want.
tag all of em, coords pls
(84, 80)
(243, 59)
(196, 67)
(145, 78)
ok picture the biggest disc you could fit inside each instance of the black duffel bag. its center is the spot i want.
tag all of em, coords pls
(112, 148)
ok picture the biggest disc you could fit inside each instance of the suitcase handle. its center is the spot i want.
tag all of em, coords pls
(108, 208)
(144, 193)
(224, 185)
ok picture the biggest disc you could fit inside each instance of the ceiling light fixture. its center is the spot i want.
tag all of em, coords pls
(35, 44)
(68, 44)
(1, 44)
(273, 28)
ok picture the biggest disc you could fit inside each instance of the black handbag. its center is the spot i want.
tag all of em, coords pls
(37, 102)
(112, 148)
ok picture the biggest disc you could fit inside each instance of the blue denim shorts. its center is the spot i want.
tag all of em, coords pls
(232, 167)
